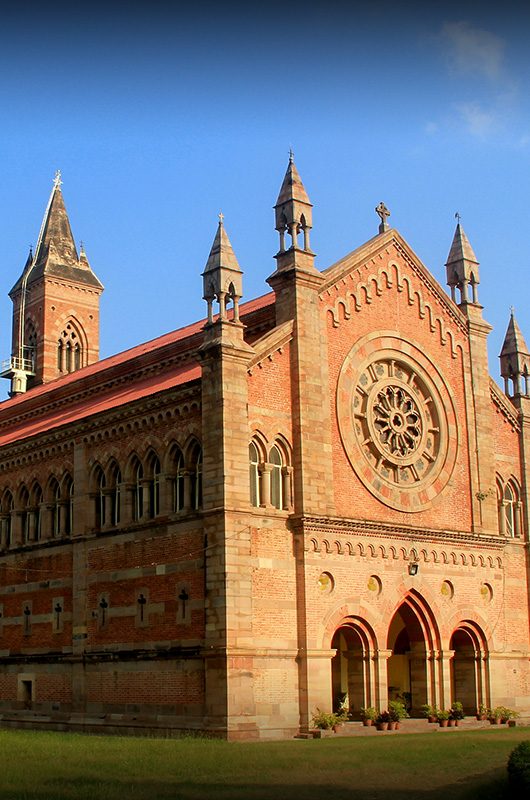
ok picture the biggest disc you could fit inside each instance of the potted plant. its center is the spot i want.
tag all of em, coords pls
(382, 720)
(456, 712)
(396, 712)
(430, 712)
(442, 717)
(509, 716)
(496, 715)
(483, 712)
(323, 720)
(368, 715)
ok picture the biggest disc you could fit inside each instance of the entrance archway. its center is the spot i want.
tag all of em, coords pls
(412, 638)
(469, 667)
(352, 668)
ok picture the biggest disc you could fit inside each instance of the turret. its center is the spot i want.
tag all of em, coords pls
(293, 211)
(462, 268)
(515, 361)
(222, 276)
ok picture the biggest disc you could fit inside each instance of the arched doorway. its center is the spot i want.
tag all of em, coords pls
(412, 638)
(469, 667)
(352, 667)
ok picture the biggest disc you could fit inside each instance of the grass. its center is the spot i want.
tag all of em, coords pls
(56, 766)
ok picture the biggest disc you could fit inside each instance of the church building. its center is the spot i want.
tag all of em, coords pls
(314, 497)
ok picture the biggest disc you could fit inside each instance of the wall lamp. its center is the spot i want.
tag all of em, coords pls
(413, 568)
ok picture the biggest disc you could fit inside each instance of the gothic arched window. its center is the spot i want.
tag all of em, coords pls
(69, 349)
(178, 479)
(275, 458)
(154, 486)
(115, 494)
(24, 514)
(253, 457)
(138, 493)
(7, 518)
(100, 499)
(196, 477)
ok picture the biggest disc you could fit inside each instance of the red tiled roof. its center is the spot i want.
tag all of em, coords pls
(117, 395)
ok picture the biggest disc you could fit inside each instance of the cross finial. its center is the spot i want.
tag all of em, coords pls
(291, 156)
(458, 217)
(57, 180)
(512, 311)
(221, 217)
(383, 213)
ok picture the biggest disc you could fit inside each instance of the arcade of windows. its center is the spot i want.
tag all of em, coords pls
(148, 491)
(270, 476)
(509, 508)
(33, 515)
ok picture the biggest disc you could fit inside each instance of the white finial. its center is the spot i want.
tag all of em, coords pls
(221, 217)
(57, 180)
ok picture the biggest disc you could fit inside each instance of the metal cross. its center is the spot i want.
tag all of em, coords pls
(291, 156)
(458, 217)
(103, 606)
(142, 601)
(383, 213)
(57, 180)
(221, 217)
(184, 596)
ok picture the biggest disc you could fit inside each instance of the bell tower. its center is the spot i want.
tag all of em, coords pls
(55, 306)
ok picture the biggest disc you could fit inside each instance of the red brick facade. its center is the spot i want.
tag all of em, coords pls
(319, 496)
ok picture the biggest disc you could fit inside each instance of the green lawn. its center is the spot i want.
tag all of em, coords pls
(56, 766)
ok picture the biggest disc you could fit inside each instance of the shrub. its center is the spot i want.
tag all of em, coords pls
(442, 714)
(369, 713)
(397, 710)
(323, 720)
(384, 716)
(457, 711)
(519, 768)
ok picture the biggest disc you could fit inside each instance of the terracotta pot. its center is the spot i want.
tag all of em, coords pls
(392, 726)
(382, 726)
(481, 717)
(367, 722)
(443, 723)
(495, 721)
(511, 723)
(432, 718)
(451, 723)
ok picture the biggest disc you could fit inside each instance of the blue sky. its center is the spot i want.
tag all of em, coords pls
(159, 118)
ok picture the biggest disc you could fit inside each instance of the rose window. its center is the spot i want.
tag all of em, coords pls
(397, 422)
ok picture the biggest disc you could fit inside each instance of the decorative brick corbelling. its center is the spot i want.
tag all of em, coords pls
(389, 277)
(306, 525)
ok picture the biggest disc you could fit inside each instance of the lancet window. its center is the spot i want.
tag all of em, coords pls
(509, 508)
(69, 350)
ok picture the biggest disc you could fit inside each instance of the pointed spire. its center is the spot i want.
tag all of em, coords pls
(55, 252)
(222, 254)
(462, 266)
(514, 340)
(293, 209)
(515, 360)
(56, 229)
(222, 276)
(292, 187)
